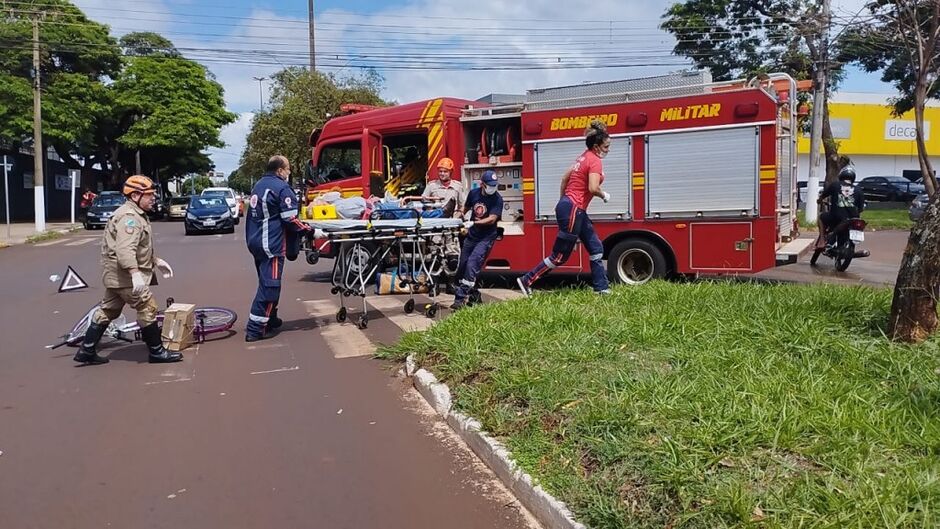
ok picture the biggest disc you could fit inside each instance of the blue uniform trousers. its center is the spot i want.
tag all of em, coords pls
(264, 307)
(472, 258)
(573, 224)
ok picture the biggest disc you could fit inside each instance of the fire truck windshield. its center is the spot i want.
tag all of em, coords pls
(338, 162)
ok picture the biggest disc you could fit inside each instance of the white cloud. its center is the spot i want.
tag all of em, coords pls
(234, 135)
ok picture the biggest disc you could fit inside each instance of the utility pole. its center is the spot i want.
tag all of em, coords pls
(39, 153)
(821, 83)
(313, 60)
(260, 90)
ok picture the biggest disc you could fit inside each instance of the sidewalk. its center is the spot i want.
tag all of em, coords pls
(20, 231)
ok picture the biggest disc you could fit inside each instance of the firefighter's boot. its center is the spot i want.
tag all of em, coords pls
(87, 352)
(158, 353)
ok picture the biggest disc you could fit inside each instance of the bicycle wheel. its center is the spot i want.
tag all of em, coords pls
(215, 319)
(117, 327)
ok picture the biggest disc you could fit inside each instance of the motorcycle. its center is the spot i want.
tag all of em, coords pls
(848, 233)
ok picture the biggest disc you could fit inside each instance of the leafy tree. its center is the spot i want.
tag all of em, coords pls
(239, 180)
(735, 39)
(300, 102)
(76, 54)
(166, 103)
(902, 41)
(148, 44)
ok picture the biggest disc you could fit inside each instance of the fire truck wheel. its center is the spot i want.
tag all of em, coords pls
(635, 261)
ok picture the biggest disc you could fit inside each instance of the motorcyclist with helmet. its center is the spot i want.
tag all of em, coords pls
(846, 201)
(129, 265)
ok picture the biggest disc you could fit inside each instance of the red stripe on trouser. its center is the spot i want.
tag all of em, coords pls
(274, 268)
(543, 269)
(267, 313)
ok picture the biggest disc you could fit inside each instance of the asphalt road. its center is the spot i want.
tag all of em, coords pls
(302, 430)
(878, 270)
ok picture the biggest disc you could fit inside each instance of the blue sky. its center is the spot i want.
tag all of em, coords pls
(242, 39)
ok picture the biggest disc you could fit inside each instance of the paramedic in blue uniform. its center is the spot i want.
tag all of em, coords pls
(271, 221)
(485, 205)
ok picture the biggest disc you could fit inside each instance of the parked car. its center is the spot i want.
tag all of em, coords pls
(801, 192)
(228, 194)
(177, 209)
(208, 214)
(918, 206)
(102, 208)
(890, 188)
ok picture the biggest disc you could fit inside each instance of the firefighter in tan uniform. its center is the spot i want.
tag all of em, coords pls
(128, 267)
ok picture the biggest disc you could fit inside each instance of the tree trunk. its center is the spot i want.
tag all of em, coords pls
(831, 148)
(914, 308)
(920, 100)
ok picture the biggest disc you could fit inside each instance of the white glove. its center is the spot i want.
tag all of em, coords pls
(468, 224)
(164, 268)
(137, 278)
(605, 197)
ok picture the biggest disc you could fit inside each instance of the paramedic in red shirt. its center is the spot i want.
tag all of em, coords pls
(580, 184)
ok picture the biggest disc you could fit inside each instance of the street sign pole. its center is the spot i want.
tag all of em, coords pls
(72, 185)
(6, 193)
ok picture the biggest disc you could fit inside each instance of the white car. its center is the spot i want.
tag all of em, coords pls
(229, 195)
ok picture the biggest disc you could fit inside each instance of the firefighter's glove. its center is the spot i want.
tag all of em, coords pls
(137, 278)
(605, 196)
(164, 268)
(468, 224)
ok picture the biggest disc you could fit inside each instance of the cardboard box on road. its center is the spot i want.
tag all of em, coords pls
(179, 322)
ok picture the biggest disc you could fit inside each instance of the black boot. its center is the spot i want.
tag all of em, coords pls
(158, 353)
(87, 354)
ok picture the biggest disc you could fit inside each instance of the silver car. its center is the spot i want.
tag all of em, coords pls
(918, 206)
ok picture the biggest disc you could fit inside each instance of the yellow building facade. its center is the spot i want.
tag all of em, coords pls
(877, 142)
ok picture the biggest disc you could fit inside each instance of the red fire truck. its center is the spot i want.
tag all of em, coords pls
(702, 175)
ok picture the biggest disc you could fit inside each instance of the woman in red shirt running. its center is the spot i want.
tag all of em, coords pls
(580, 184)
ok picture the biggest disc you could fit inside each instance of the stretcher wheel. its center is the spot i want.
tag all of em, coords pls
(346, 293)
(341, 315)
(362, 322)
(430, 310)
(169, 301)
(334, 290)
(409, 306)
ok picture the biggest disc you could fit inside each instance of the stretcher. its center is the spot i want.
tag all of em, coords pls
(415, 248)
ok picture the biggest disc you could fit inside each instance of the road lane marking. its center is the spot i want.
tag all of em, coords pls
(80, 242)
(344, 339)
(281, 370)
(168, 381)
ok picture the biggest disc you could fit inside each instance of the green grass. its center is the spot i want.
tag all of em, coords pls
(704, 405)
(44, 236)
(887, 219)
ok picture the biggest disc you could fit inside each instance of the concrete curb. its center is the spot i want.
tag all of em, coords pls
(550, 512)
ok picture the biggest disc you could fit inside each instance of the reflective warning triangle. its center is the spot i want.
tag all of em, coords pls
(72, 281)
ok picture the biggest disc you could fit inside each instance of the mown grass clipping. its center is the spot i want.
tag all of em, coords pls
(704, 405)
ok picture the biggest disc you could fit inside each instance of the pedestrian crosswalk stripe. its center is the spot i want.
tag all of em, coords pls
(348, 341)
(501, 294)
(392, 309)
(345, 340)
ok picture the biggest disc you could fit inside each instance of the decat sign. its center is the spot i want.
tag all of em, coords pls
(903, 130)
